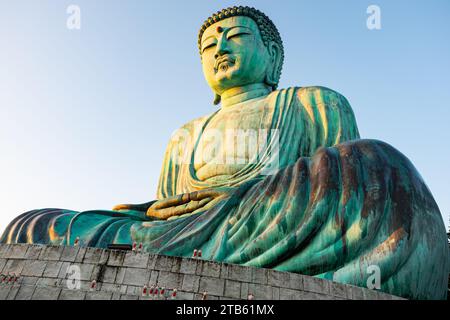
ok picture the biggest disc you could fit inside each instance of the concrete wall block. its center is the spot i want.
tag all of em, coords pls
(134, 290)
(25, 292)
(104, 257)
(109, 274)
(63, 271)
(213, 286)
(276, 293)
(67, 294)
(84, 285)
(136, 277)
(49, 282)
(69, 253)
(239, 273)
(116, 296)
(111, 287)
(98, 295)
(260, 292)
(86, 271)
(170, 280)
(2, 264)
(357, 293)
(46, 293)
(317, 285)
(259, 275)
(232, 289)
(163, 263)
(188, 266)
(80, 254)
(244, 290)
(34, 268)
(16, 251)
(3, 249)
(176, 265)
(290, 294)
(34, 251)
(339, 290)
(51, 253)
(92, 255)
(208, 269)
(4, 291)
(370, 294)
(136, 260)
(52, 269)
(278, 279)
(13, 293)
(153, 278)
(183, 295)
(120, 275)
(295, 281)
(14, 266)
(190, 283)
(28, 281)
(151, 261)
(116, 258)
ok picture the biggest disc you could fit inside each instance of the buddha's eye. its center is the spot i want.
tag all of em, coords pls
(237, 35)
(208, 46)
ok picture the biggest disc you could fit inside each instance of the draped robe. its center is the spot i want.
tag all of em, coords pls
(317, 200)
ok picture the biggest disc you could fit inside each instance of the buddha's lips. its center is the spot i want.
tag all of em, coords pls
(221, 60)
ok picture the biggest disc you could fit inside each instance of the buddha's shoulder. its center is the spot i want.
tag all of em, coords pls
(192, 124)
(315, 94)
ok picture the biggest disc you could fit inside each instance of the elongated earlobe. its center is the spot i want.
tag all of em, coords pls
(216, 99)
(272, 76)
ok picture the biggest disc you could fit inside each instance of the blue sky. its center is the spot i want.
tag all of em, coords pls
(86, 114)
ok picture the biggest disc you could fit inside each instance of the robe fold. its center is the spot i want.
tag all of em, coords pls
(331, 205)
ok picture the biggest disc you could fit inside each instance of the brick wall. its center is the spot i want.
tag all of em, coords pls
(46, 272)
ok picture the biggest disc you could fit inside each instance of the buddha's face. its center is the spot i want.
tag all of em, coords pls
(233, 54)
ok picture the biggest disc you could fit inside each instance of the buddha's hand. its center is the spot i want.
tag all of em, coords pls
(187, 203)
(137, 207)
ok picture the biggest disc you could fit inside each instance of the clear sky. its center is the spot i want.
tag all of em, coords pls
(86, 114)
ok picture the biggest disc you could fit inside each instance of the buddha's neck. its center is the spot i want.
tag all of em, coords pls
(240, 94)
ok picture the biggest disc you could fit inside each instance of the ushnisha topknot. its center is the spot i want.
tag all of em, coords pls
(267, 28)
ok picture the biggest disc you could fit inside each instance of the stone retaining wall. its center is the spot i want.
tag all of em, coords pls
(47, 272)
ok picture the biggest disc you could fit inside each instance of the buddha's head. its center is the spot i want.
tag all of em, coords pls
(240, 46)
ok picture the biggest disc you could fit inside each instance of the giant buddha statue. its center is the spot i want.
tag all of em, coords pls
(274, 178)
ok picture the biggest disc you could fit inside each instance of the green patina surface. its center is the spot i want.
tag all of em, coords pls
(315, 199)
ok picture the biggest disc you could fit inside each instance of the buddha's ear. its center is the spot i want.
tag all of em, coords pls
(272, 75)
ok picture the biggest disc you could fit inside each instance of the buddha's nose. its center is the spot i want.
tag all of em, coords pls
(221, 48)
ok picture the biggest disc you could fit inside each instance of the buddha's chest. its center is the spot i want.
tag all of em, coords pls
(232, 139)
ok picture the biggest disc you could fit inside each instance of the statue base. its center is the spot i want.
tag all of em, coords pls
(38, 272)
